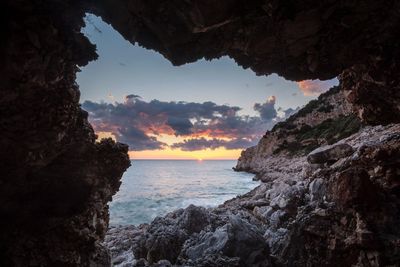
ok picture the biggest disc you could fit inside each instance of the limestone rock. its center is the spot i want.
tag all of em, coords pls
(321, 122)
(342, 214)
(236, 239)
(329, 154)
(165, 236)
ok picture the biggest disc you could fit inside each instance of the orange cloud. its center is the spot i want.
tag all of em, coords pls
(168, 153)
(313, 87)
(143, 125)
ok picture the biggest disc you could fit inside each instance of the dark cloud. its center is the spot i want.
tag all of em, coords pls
(266, 110)
(181, 126)
(203, 143)
(139, 139)
(132, 97)
(139, 123)
(198, 144)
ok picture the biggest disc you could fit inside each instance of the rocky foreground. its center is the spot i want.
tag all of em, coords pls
(343, 211)
(329, 196)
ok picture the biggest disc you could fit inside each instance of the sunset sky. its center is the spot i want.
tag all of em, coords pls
(203, 110)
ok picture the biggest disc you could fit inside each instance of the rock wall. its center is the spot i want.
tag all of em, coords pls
(55, 179)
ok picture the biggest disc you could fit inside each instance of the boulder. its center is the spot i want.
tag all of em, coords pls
(330, 153)
(165, 236)
(237, 240)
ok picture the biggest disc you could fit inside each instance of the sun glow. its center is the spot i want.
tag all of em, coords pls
(178, 154)
(206, 154)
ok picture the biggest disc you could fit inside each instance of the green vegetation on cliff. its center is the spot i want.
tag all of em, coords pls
(308, 138)
(320, 104)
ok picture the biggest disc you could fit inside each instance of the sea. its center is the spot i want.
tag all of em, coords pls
(152, 188)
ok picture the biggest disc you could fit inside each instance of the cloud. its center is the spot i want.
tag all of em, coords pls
(314, 87)
(140, 140)
(181, 126)
(203, 143)
(266, 110)
(140, 123)
(132, 97)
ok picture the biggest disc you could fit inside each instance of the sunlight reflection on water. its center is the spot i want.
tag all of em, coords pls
(153, 188)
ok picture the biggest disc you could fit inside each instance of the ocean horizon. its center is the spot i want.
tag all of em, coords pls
(154, 187)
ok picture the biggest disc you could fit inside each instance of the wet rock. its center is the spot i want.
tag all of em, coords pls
(329, 154)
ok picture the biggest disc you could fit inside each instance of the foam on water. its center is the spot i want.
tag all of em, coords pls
(153, 188)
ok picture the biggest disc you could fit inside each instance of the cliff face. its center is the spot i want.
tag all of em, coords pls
(322, 121)
(56, 180)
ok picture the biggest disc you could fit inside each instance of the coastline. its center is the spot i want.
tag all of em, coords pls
(277, 212)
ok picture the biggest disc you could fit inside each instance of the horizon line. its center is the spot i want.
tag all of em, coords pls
(181, 159)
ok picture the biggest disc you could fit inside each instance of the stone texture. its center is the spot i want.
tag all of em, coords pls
(56, 180)
(321, 122)
(344, 214)
(236, 239)
(165, 237)
(329, 154)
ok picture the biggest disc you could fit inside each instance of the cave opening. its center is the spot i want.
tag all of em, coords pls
(329, 190)
(206, 110)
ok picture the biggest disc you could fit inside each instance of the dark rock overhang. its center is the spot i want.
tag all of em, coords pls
(296, 39)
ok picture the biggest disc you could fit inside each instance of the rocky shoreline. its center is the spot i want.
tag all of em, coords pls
(315, 214)
(320, 173)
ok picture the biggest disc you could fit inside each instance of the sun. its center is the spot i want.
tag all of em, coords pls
(200, 159)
